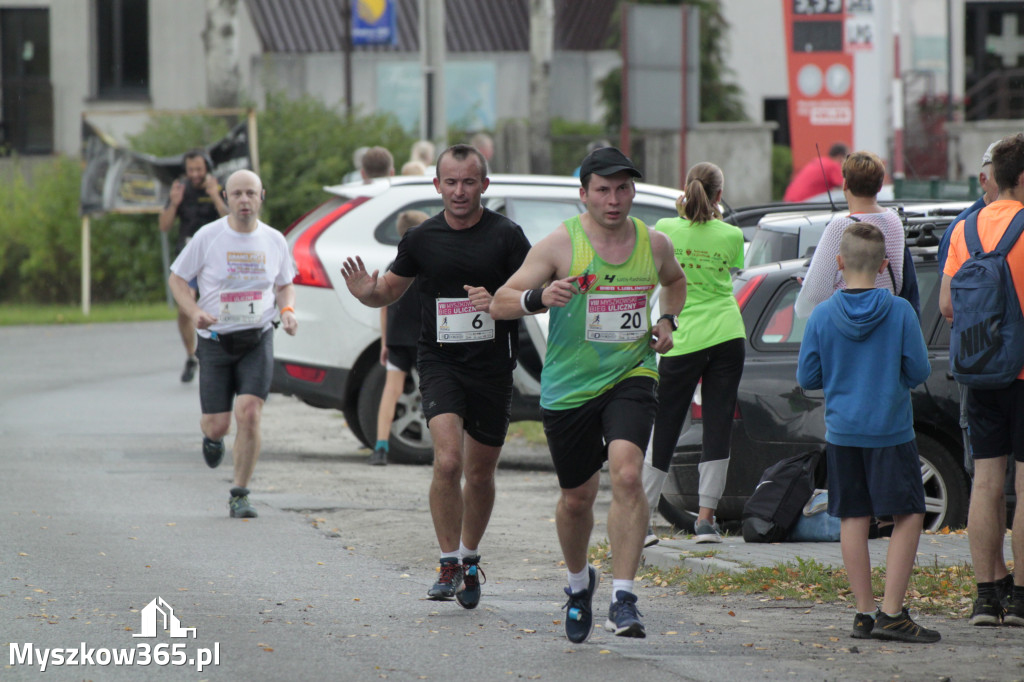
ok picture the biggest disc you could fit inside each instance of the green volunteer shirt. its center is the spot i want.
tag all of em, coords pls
(706, 251)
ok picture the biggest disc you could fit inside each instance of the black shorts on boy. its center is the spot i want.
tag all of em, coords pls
(857, 477)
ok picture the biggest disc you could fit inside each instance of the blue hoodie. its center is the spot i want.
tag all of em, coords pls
(867, 351)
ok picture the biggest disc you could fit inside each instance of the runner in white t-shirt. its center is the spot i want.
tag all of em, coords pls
(245, 273)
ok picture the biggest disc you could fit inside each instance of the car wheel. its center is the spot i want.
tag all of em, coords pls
(946, 492)
(410, 441)
(681, 519)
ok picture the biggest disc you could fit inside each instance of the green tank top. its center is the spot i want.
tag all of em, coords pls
(603, 335)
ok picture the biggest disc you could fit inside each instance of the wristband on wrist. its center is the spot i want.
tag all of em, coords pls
(531, 300)
(288, 309)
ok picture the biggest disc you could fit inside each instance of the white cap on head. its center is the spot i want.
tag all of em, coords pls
(987, 157)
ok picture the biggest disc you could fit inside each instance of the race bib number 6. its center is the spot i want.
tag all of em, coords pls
(616, 319)
(241, 307)
(459, 322)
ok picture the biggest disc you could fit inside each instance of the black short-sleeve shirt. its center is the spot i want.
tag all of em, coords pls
(443, 261)
(195, 210)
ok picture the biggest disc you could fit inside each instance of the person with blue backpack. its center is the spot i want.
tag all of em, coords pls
(981, 294)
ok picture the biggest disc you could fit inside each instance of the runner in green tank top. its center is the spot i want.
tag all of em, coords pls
(612, 315)
(598, 387)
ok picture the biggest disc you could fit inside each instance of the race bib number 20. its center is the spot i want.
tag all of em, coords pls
(616, 319)
(459, 322)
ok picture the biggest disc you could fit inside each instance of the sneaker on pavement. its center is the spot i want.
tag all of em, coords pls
(238, 505)
(189, 373)
(987, 611)
(448, 582)
(1004, 589)
(862, 626)
(213, 452)
(579, 614)
(902, 628)
(623, 616)
(651, 538)
(473, 576)
(706, 532)
(1014, 613)
(379, 457)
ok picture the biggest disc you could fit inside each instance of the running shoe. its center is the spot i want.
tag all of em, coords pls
(651, 538)
(987, 611)
(706, 532)
(862, 626)
(379, 457)
(238, 505)
(579, 614)
(469, 596)
(189, 373)
(902, 628)
(1004, 589)
(623, 616)
(449, 581)
(213, 452)
(1014, 613)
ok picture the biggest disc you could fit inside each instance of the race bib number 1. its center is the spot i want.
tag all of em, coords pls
(616, 319)
(241, 307)
(459, 322)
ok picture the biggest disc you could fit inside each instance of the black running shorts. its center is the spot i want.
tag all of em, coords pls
(483, 402)
(222, 376)
(578, 437)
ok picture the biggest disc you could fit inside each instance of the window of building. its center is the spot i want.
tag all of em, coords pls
(122, 49)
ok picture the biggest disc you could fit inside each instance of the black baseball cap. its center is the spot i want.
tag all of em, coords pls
(607, 161)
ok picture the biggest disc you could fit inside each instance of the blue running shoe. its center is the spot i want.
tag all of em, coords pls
(579, 616)
(449, 581)
(473, 576)
(623, 617)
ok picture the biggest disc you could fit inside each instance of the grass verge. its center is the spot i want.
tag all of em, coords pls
(29, 314)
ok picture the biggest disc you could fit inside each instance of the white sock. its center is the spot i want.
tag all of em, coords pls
(579, 581)
(620, 586)
(451, 555)
(465, 551)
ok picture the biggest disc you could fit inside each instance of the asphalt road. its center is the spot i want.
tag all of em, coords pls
(105, 506)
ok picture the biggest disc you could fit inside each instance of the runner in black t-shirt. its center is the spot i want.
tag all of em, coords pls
(194, 200)
(458, 258)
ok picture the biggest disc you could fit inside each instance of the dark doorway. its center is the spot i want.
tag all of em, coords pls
(27, 124)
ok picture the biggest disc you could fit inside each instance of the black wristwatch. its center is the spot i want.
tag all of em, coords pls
(672, 320)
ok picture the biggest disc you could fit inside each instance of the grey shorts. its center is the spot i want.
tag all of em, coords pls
(222, 375)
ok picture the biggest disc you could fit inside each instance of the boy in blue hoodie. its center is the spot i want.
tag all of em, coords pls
(864, 347)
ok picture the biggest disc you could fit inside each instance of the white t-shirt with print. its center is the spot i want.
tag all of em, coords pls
(237, 274)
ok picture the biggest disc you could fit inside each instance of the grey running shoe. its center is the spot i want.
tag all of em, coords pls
(448, 582)
(987, 611)
(473, 576)
(238, 505)
(623, 616)
(862, 626)
(706, 532)
(1014, 613)
(213, 452)
(379, 457)
(189, 373)
(902, 628)
(651, 538)
(579, 614)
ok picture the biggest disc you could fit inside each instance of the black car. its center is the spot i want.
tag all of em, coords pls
(775, 418)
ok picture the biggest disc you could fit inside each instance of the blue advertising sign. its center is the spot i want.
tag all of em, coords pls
(373, 22)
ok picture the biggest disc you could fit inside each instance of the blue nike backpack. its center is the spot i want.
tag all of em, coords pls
(986, 347)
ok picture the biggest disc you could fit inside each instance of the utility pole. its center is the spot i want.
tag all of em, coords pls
(433, 123)
(542, 45)
(220, 38)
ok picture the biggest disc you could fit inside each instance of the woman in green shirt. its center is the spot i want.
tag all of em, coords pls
(709, 345)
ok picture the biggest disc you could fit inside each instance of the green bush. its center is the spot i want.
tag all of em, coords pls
(782, 170)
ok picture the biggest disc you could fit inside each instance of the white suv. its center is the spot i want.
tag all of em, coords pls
(333, 362)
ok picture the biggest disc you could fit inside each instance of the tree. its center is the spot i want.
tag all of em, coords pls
(542, 45)
(220, 38)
